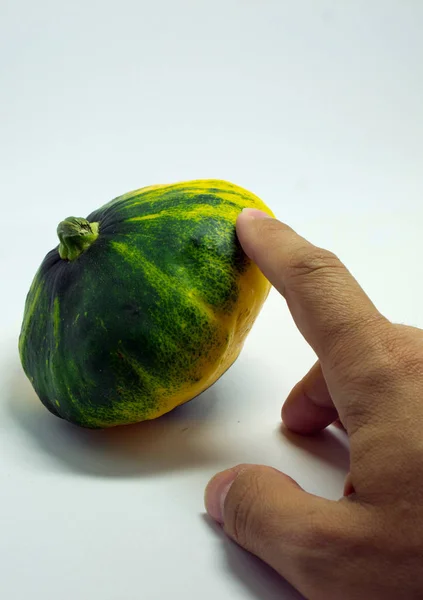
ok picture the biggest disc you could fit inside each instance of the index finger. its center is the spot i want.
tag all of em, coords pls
(329, 307)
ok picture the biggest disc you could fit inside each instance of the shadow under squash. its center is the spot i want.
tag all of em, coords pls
(179, 440)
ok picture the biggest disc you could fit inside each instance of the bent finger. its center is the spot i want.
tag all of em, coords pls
(309, 407)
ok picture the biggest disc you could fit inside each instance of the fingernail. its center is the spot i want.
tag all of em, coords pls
(254, 213)
(216, 493)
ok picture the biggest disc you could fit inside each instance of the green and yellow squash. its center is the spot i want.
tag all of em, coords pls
(143, 305)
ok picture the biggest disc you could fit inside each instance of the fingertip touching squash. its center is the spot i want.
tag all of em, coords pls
(143, 305)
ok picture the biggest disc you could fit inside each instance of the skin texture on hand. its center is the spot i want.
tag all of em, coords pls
(369, 375)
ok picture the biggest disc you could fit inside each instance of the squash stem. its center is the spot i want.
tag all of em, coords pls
(76, 236)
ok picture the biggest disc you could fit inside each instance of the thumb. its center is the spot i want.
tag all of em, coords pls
(300, 535)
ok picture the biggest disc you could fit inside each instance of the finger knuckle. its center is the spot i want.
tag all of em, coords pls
(318, 532)
(345, 338)
(312, 261)
(244, 521)
(393, 360)
(390, 368)
(405, 346)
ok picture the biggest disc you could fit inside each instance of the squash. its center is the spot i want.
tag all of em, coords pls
(143, 305)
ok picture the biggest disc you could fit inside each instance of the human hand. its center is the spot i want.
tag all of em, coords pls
(369, 374)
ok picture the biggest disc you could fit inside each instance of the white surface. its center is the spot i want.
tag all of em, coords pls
(314, 105)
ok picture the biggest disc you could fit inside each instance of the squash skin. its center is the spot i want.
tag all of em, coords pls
(151, 314)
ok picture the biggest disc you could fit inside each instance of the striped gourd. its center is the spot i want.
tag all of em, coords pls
(143, 305)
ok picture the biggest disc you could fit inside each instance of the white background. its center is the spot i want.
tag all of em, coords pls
(314, 105)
